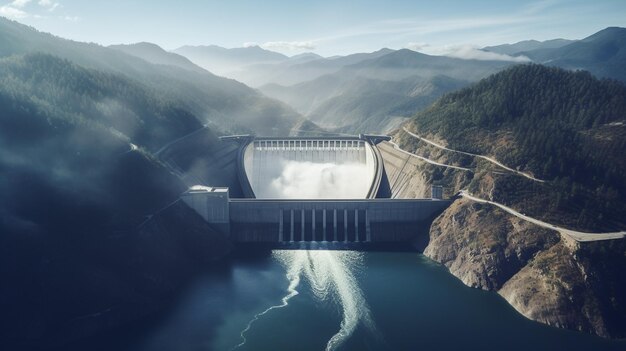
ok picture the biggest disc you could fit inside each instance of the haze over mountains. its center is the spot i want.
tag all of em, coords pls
(374, 91)
(225, 103)
(81, 126)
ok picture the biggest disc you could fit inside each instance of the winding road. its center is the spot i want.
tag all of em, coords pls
(397, 147)
(576, 235)
(490, 159)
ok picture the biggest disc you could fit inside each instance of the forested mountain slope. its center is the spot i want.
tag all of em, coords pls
(567, 128)
(226, 104)
(78, 184)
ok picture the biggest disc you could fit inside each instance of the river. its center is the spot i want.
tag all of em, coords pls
(343, 300)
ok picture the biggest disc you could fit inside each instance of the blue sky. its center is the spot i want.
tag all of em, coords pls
(322, 26)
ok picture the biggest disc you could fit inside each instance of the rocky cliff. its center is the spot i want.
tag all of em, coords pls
(547, 277)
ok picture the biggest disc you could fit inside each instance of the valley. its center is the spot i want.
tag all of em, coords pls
(97, 144)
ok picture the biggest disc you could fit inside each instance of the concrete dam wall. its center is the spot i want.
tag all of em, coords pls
(339, 221)
(314, 190)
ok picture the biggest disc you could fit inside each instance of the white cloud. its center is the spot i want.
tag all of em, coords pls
(12, 12)
(289, 45)
(249, 44)
(19, 3)
(15, 9)
(417, 46)
(71, 18)
(469, 52)
(49, 4)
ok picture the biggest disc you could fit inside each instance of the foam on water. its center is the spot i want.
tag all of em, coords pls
(331, 276)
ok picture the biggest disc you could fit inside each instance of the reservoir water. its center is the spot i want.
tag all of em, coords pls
(343, 300)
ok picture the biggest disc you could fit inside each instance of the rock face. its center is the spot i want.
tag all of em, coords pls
(483, 246)
(543, 275)
(546, 277)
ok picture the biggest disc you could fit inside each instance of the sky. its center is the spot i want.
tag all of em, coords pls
(326, 27)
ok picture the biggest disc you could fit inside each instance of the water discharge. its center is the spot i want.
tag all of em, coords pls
(310, 180)
(310, 169)
(331, 276)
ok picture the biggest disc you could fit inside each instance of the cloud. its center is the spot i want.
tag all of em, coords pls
(71, 18)
(12, 12)
(19, 3)
(417, 46)
(469, 52)
(289, 45)
(49, 4)
(250, 44)
(15, 9)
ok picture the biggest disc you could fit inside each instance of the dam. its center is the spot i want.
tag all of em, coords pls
(296, 190)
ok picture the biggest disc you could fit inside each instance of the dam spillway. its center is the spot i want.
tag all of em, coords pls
(320, 168)
(312, 190)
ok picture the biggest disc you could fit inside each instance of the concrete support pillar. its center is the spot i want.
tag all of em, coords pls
(313, 225)
(302, 234)
(280, 226)
(356, 225)
(324, 224)
(345, 225)
(368, 233)
(335, 224)
(292, 228)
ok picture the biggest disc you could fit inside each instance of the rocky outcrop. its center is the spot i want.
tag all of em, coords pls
(546, 277)
(483, 246)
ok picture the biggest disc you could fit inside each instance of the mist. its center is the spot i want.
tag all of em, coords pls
(309, 180)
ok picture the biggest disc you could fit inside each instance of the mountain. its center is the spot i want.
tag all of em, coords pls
(304, 57)
(221, 61)
(294, 70)
(89, 221)
(565, 128)
(355, 104)
(376, 94)
(527, 45)
(155, 54)
(603, 54)
(404, 63)
(89, 218)
(229, 106)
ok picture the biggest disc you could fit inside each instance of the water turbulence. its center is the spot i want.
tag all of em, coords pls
(309, 180)
(316, 169)
(331, 276)
(323, 169)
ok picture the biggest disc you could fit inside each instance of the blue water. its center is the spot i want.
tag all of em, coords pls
(319, 300)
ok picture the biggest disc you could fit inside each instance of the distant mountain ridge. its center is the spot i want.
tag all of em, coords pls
(527, 45)
(295, 70)
(378, 92)
(221, 60)
(156, 55)
(603, 54)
